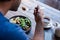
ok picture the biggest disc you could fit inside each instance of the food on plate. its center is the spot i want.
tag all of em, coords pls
(22, 21)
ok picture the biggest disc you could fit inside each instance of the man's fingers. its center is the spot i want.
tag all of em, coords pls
(38, 13)
(35, 12)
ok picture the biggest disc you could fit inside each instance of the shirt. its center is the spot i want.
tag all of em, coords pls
(9, 31)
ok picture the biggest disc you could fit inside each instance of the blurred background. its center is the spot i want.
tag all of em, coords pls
(53, 3)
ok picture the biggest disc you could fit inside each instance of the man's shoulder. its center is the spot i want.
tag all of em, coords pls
(14, 31)
(7, 23)
(10, 26)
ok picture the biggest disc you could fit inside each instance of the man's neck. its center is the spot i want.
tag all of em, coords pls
(3, 11)
(4, 8)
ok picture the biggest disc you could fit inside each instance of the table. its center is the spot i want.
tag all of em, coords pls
(48, 34)
(48, 11)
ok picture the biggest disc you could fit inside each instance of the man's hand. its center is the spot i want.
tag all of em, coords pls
(39, 33)
(38, 14)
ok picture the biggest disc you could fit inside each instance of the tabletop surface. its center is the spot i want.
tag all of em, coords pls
(48, 11)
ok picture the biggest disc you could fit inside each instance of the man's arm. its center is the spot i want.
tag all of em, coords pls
(39, 31)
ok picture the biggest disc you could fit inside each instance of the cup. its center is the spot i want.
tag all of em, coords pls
(46, 21)
(57, 34)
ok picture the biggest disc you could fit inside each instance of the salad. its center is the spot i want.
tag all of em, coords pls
(22, 21)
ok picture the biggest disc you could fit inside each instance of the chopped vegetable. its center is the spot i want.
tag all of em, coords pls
(24, 22)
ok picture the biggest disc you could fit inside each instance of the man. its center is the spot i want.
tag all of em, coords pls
(9, 31)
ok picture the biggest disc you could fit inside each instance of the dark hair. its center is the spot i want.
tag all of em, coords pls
(4, 0)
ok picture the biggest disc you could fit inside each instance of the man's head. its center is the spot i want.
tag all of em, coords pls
(13, 4)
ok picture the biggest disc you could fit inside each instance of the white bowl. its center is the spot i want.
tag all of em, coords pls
(47, 23)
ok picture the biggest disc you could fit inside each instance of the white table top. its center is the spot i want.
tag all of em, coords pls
(48, 11)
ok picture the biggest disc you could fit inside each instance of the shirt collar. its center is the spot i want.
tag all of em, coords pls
(2, 18)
